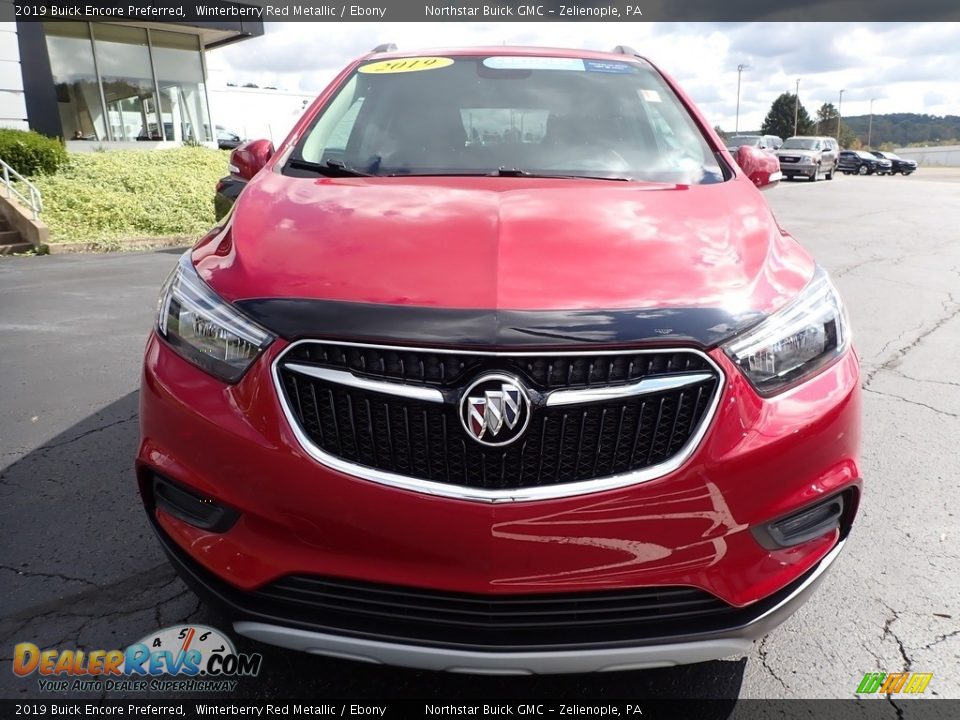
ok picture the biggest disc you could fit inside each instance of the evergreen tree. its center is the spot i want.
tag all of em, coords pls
(779, 120)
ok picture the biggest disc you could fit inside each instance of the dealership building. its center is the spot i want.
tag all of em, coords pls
(111, 82)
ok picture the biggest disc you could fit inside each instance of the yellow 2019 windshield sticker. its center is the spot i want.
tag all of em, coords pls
(402, 65)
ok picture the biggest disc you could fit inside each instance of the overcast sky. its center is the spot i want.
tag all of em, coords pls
(907, 68)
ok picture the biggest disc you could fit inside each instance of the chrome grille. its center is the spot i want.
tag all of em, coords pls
(391, 414)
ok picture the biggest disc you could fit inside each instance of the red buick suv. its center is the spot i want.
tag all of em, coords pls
(500, 363)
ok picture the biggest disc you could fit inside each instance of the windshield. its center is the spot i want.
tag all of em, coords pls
(801, 144)
(507, 115)
(740, 140)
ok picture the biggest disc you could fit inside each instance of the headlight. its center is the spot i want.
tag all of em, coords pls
(204, 329)
(797, 341)
(806, 160)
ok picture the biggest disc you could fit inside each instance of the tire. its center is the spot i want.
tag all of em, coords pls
(905, 172)
(816, 173)
(862, 170)
(833, 171)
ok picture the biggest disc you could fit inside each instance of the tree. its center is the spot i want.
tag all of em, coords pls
(848, 138)
(827, 117)
(779, 121)
(719, 131)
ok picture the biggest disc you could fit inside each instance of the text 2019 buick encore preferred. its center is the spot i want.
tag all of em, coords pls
(501, 363)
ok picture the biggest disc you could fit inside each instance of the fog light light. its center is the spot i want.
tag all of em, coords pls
(800, 527)
(192, 508)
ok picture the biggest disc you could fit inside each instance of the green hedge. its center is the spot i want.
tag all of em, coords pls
(104, 197)
(30, 153)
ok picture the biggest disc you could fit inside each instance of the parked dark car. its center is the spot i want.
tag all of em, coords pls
(899, 164)
(860, 162)
(227, 192)
(227, 140)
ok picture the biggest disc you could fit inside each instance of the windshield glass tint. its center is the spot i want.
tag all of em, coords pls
(478, 115)
(800, 144)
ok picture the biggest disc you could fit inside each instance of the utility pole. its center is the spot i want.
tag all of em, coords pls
(870, 127)
(796, 106)
(839, 115)
(740, 69)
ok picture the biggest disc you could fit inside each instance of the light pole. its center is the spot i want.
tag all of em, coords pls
(839, 115)
(796, 106)
(870, 127)
(740, 69)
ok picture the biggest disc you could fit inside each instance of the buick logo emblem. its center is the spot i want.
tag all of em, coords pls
(495, 410)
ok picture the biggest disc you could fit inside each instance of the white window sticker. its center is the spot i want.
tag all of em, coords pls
(650, 95)
(522, 62)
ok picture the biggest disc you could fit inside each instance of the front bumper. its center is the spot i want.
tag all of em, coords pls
(795, 169)
(761, 459)
(261, 624)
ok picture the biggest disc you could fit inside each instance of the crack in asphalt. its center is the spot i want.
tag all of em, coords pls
(907, 661)
(762, 652)
(904, 351)
(941, 638)
(91, 431)
(923, 380)
(58, 576)
(158, 577)
(888, 632)
(911, 402)
(46, 447)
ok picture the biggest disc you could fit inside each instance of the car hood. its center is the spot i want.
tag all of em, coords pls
(505, 243)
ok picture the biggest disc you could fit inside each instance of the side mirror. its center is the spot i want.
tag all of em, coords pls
(249, 158)
(762, 168)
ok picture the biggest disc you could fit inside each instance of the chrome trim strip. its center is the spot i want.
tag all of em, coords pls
(344, 377)
(616, 392)
(458, 492)
(490, 663)
(736, 642)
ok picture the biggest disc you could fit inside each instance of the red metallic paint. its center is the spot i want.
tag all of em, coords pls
(761, 459)
(251, 157)
(483, 243)
(520, 244)
(758, 165)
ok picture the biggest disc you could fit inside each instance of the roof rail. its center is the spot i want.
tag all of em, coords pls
(625, 50)
(384, 47)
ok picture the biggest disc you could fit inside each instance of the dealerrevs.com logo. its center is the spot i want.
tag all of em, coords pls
(183, 658)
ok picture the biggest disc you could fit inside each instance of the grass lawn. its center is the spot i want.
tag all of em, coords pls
(106, 197)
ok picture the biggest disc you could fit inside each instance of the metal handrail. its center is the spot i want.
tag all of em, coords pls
(33, 199)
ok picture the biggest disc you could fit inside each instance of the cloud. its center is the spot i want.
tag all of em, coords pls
(904, 67)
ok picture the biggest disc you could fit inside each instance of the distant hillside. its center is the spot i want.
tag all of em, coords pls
(903, 129)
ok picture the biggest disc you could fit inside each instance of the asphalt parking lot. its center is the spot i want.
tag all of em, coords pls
(79, 565)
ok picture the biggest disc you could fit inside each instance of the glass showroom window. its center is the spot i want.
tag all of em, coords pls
(75, 79)
(183, 96)
(123, 59)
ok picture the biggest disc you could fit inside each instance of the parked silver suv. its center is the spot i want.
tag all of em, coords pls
(808, 156)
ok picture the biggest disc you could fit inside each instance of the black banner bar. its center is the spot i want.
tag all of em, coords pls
(488, 10)
(879, 708)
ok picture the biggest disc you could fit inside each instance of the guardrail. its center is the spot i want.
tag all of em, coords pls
(33, 200)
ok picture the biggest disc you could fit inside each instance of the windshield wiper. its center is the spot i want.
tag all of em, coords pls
(503, 171)
(331, 168)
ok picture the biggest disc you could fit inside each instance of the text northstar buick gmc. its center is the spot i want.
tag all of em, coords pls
(500, 363)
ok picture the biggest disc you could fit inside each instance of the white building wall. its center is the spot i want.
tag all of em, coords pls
(254, 113)
(943, 156)
(13, 106)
